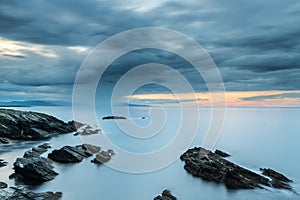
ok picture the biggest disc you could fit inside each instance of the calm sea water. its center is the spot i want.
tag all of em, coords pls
(255, 137)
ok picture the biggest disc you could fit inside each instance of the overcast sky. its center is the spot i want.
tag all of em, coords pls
(255, 44)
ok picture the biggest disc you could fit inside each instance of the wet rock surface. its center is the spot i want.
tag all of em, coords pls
(23, 125)
(211, 167)
(34, 170)
(13, 193)
(165, 195)
(70, 154)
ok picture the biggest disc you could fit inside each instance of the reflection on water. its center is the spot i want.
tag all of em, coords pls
(265, 137)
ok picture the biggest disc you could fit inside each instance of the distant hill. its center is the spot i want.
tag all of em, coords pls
(31, 103)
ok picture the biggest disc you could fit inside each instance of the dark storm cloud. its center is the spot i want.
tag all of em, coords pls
(255, 44)
(63, 22)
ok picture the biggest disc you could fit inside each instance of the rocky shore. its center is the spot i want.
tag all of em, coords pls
(23, 125)
(211, 166)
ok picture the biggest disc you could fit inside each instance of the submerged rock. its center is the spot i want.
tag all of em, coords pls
(166, 195)
(13, 193)
(34, 170)
(210, 166)
(70, 154)
(30, 125)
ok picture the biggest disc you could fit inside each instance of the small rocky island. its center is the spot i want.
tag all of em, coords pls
(211, 166)
(113, 117)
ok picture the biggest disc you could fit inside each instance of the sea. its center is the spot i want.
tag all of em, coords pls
(255, 137)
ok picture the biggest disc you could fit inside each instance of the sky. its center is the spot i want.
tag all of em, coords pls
(255, 45)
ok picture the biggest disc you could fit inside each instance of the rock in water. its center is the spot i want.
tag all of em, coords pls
(221, 153)
(166, 195)
(279, 180)
(3, 185)
(103, 156)
(2, 163)
(13, 193)
(30, 125)
(210, 166)
(113, 117)
(34, 169)
(4, 140)
(69, 154)
(275, 175)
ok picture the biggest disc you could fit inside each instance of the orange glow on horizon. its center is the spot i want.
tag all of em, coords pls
(232, 98)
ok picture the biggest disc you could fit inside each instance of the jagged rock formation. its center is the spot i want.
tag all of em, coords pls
(212, 167)
(165, 195)
(70, 154)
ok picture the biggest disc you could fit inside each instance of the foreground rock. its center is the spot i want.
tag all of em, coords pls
(103, 156)
(30, 125)
(34, 170)
(166, 195)
(212, 167)
(113, 117)
(13, 193)
(70, 154)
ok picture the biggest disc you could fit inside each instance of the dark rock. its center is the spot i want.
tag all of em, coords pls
(103, 157)
(34, 169)
(113, 117)
(13, 193)
(166, 195)
(45, 146)
(4, 140)
(221, 153)
(92, 148)
(75, 125)
(69, 154)
(2, 163)
(274, 175)
(30, 125)
(280, 184)
(37, 151)
(279, 181)
(210, 166)
(3, 185)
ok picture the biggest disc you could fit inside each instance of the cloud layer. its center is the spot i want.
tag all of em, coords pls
(255, 44)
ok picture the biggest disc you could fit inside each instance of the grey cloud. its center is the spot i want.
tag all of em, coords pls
(255, 44)
(275, 96)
